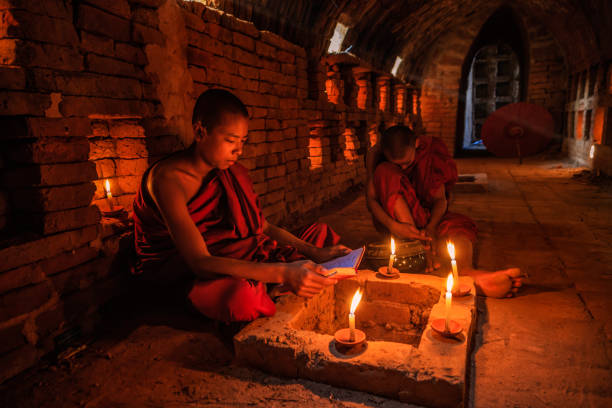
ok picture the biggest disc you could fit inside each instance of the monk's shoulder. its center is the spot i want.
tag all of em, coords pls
(438, 145)
(387, 169)
(173, 174)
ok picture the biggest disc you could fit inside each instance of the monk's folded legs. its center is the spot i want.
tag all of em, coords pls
(231, 299)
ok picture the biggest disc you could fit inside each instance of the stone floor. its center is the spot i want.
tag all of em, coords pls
(551, 346)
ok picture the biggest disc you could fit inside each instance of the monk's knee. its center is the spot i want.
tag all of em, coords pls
(249, 301)
(231, 299)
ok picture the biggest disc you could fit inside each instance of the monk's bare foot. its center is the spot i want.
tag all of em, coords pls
(498, 284)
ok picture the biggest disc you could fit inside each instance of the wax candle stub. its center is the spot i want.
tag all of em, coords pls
(354, 304)
(451, 252)
(391, 257)
(449, 296)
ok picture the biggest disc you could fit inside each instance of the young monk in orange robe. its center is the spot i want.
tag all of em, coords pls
(196, 213)
(409, 185)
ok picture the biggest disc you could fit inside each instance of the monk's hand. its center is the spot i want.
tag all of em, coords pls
(325, 254)
(408, 231)
(306, 278)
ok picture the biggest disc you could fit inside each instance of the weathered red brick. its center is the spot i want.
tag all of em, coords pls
(130, 53)
(111, 66)
(23, 300)
(51, 150)
(49, 321)
(76, 278)
(67, 259)
(134, 167)
(96, 43)
(49, 175)
(243, 41)
(20, 277)
(126, 130)
(277, 41)
(23, 103)
(219, 33)
(131, 148)
(120, 8)
(54, 198)
(143, 34)
(242, 26)
(25, 25)
(59, 221)
(198, 74)
(12, 338)
(17, 361)
(199, 57)
(28, 54)
(100, 22)
(99, 107)
(194, 21)
(22, 254)
(148, 3)
(12, 78)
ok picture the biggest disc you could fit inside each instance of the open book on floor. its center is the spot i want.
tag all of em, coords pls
(344, 266)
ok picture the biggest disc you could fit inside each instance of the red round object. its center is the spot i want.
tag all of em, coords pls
(517, 130)
(454, 328)
(343, 336)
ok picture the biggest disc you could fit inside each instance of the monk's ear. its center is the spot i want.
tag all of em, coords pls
(416, 143)
(199, 131)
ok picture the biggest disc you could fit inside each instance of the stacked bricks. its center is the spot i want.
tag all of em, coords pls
(84, 101)
(73, 90)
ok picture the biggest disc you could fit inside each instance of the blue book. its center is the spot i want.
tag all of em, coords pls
(344, 266)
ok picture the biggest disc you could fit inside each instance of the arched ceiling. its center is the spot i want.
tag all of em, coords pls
(382, 29)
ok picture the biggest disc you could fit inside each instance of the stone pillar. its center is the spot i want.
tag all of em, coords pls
(383, 92)
(400, 99)
(334, 87)
(363, 80)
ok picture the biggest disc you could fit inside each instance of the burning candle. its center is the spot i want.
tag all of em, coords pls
(109, 195)
(449, 297)
(391, 257)
(451, 251)
(354, 303)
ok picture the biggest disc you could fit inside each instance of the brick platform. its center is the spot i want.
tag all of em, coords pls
(403, 358)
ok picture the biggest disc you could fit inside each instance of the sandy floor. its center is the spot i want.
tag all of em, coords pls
(550, 346)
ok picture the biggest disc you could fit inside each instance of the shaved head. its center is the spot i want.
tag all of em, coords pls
(213, 104)
(397, 140)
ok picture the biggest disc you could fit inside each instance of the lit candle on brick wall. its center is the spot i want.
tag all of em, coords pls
(109, 195)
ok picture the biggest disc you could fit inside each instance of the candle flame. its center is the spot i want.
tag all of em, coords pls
(355, 301)
(449, 283)
(392, 246)
(592, 151)
(107, 185)
(451, 249)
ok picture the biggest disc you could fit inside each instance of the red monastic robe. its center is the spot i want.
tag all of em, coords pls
(226, 211)
(432, 167)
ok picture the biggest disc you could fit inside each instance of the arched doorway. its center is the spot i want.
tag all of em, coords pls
(494, 74)
(493, 81)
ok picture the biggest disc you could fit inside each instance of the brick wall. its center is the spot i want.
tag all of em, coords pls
(96, 90)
